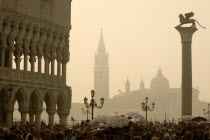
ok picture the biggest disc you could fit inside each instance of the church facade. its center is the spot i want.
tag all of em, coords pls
(167, 100)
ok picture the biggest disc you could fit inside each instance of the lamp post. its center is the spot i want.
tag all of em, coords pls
(72, 119)
(146, 108)
(93, 103)
(207, 112)
(85, 111)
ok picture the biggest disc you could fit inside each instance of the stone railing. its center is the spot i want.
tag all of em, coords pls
(28, 77)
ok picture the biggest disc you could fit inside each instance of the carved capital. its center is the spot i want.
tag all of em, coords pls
(186, 33)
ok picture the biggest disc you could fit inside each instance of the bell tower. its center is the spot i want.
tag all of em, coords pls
(101, 71)
(127, 86)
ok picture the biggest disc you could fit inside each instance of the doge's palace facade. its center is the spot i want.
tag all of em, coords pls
(34, 52)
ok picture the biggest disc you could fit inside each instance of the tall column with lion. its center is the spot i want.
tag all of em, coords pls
(186, 34)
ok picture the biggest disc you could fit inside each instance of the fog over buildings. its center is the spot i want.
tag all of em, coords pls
(139, 37)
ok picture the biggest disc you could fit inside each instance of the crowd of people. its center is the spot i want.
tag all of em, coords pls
(188, 130)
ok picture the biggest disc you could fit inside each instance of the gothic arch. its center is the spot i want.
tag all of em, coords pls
(61, 102)
(49, 100)
(35, 103)
(19, 96)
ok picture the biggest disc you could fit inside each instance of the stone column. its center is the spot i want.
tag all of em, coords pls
(39, 64)
(26, 43)
(31, 118)
(25, 61)
(46, 66)
(3, 50)
(4, 35)
(32, 61)
(51, 118)
(9, 119)
(186, 39)
(64, 70)
(17, 60)
(52, 67)
(23, 118)
(58, 68)
(10, 57)
(9, 108)
(63, 119)
(38, 119)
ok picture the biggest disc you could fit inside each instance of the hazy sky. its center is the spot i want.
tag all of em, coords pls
(139, 37)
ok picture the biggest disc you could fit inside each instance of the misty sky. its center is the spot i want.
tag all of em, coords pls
(139, 37)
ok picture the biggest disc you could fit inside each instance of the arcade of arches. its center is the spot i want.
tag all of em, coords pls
(33, 58)
(30, 101)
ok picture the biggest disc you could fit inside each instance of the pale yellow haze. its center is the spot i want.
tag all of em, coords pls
(139, 36)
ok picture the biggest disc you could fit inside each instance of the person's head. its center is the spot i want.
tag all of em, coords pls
(33, 131)
(136, 138)
(166, 137)
(12, 129)
(98, 136)
(188, 136)
(199, 129)
(154, 138)
(68, 133)
(38, 134)
(25, 129)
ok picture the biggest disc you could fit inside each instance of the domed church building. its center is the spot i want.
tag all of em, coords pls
(167, 100)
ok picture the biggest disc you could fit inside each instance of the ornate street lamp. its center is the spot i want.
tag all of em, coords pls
(207, 112)
(93, 103)
(86, 112)
(146, 108)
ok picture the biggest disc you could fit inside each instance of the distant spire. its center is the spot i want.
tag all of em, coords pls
(127, 86)
(127, 80)
(160, 74)
(142, 84)
(101, 44)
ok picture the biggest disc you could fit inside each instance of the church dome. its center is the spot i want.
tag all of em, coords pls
(159, 82)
